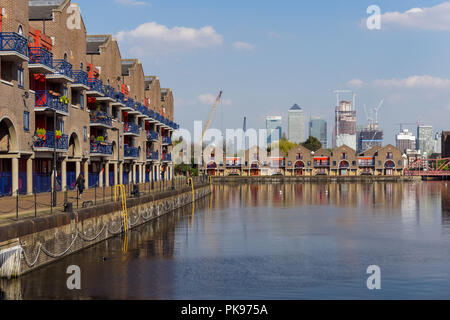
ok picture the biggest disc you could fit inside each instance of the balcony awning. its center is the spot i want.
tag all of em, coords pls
(320, 158)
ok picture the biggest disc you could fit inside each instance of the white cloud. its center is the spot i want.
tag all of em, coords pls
(431, 18)
(424, 81)
(210, 99)
(151, 37)
(273, 34)
(356, 83)
(132, 2)
(242, 46)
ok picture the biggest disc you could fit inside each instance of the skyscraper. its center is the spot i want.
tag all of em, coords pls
(318, 130)
(405, 140)
(438, 143)
(445, 144)
(296, 124)
(345, 125)
(273, 127)
(425, 141)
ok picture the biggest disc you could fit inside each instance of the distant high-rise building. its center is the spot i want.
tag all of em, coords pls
(296, 124)
(438, 143)
(405, 140)
(273, 127)
(425, 142)
(445, 144)
(318, 130)
(368, 138)
(345, 125)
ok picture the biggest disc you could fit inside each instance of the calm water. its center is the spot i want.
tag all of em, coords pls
(307, 241)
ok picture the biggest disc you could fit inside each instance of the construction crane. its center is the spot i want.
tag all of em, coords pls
(406, 124)
(372, 116)
(211, 115)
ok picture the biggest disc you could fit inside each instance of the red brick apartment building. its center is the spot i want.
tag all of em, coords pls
(62, 89)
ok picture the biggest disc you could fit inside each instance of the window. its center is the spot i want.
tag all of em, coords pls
(399, 162)
(61, 126)
(309, 163)
(20, 31)
(26, 121)
(65, 56)
(81, 101)
(353, 163)
(334, 163)
(379, 163)
(20, 80)
(85, 134)
(65, 92)
(389, 155)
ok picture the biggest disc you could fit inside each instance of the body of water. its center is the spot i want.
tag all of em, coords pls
(271, 241)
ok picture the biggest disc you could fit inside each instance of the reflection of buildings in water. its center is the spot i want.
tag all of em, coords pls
(409, 203)
(445, 204)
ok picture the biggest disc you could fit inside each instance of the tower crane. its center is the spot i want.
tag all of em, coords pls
(211, 115)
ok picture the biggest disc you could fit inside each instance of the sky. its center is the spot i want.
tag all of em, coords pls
(268, 55)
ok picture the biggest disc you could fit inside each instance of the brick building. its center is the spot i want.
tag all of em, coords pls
(73, 94)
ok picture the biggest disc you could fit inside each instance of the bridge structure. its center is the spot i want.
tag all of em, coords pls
(429, 168)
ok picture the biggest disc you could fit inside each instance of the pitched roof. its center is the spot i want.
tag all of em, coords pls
(93, 43)
(295, 107)
(42, 9)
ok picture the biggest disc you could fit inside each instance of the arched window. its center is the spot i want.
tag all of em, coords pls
(81, 66)
(20, 31)
(65, 56)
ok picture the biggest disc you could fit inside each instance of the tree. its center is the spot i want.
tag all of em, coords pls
(312, 144)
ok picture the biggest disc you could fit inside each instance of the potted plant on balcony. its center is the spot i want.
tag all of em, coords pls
(64, 100)
(58, 134)
(41, 133)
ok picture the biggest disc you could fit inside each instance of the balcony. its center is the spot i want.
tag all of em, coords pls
(366, 162)
(131, 152)
(130, 128)
(63, 72)
(81, 80)
(152, 135)
(152, 155)
(142, 110)
(13, 47)
(95, 88)
(109, 93)
(166, 140)
(101, 148)
(45, 141)
(45, 101)
(100, 119)
(41, 61)
(166, 157)
(321, 164)
(119, 99)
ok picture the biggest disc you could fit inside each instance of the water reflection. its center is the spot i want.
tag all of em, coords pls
(270, 241)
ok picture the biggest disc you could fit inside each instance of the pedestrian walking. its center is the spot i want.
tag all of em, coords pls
(80, 184)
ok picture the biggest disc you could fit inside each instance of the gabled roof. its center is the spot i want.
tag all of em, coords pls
(127, 64)
(42, 9)
(93, 43)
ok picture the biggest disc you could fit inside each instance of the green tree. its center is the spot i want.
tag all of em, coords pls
(312, 144)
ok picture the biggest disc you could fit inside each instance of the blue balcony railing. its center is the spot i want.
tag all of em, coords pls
(166, 157)
(81, 77)
(130, 103)
(99, 147)
(152, 135)
(96, 85)
(131, 152)
(11, 41)
(142, 109)
(40, 55)
(321, 163)
(48, 141)
(99, 117)
(109, 92)
(63, 68)
(166, 140)
(44, 99)
(152, 155)
(130, 127)
(119, 97)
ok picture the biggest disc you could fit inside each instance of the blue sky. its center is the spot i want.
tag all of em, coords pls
(268, 55)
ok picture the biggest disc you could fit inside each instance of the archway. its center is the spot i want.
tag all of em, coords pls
(8, 136)
(211, 169)
(254, 169)
(299, 168)
(344, 166)
(389, 167)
